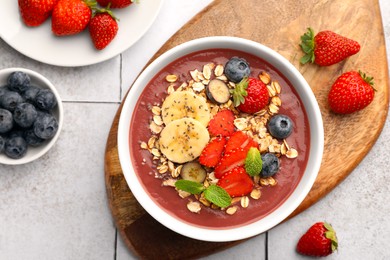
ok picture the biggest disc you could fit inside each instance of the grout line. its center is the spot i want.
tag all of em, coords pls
(120, 76)
(266, 245)
(115, 243)
(90, 102)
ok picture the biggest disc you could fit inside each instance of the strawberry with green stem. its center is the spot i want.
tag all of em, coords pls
(250, 95)
(103, 28)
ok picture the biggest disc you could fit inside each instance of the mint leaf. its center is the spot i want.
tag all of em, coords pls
(218, 196)
(189, 186)
(253, 162)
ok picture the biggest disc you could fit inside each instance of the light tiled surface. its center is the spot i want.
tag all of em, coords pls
(56, 207)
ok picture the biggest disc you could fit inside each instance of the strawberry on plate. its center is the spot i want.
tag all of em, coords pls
(71, 16)
(319, 240)
(236, 182)
(212, 152)
(326, 48)
(222, 123)
(103, 28)
(250, 95)
(35, 12)
(116, 3)
(351, 92)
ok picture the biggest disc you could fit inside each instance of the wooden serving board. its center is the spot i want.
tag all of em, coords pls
(277, 24)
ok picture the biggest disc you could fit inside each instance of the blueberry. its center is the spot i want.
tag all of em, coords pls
(18, 81)
(270, 165)
(10, 99)
(3, 90)
(25, 115)
(15, 147)
(6, 121)
(30, 94)
(2, 144)
(45, 126)
(31, 138)
(280, 126)
(236, 69)
(45, 99)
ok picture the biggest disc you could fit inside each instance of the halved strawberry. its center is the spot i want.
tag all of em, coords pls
(239, 140)
(236, 182)
(212, 152)
(222, 123)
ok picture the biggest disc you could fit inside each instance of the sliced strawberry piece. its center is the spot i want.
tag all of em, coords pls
(239, 140)
(236, 182)
(222, 123)
(229, 161)
(212, 152)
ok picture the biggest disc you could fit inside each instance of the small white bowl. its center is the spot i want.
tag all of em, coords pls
(281, 212)
(34, 153)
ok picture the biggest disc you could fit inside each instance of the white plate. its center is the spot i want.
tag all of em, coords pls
(41, 44)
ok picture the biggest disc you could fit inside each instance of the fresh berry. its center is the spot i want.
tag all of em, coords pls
(10, 99)
(280, 126)
(25, 115)
(320, 240)
(326, 48)
(236, 182)
(212, 152)
(222, 123)
(15, 147)
(229, 161)
(6, 121)
(250, 95)
(45, 126)
(45, 99)
(35, 12)
(253, 162)
(351, 92)
(116, 3)
(30, 94)
(3, 89)
(236, 69)
(103, 28)
(31, 138)
(2, 144)
(70, 17)
(18, 81)
(239, 140)
(270, 166)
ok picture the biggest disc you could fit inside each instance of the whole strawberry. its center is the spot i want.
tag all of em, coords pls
(70, 17)
(319, 240)
(35, 12)
(351, 92)
(326, 48)
(115, 3)
(250, 95)
(103, 28)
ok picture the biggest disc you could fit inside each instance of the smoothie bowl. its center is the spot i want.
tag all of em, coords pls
(220, 139)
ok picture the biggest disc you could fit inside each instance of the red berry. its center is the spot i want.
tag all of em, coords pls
(35, 12)
(236, 182)
(239, 140)
(319, 240)
(326, 48)
(212, 152)
(222, 123)
(250, 95)
(351, 92)
(115, 3)
(103, 29)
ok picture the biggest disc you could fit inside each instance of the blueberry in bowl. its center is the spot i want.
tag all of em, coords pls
(31, 115)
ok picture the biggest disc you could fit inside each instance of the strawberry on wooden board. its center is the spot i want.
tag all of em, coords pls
(116, 3)
(212, 152)
(103, 28)
(236, 182)
(326, 48)
(71, 17)
(319, 240)
(222, 123)
(35, 12)
(250, 95)
(351, 92)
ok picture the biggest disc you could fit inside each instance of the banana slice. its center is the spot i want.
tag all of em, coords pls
(180, 104)
(183, 140)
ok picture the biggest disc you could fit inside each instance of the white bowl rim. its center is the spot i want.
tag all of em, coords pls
(40, 150)
(299, 193)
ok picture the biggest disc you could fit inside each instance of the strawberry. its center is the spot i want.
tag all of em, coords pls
(212, 152)
(115, 3)
(222, 123)
(239, 140)
(103, 28)
(71, 16)
(319, 240)
(35, 12)
(236, 182)
(326, 48)
(250, 95)
(351, 92)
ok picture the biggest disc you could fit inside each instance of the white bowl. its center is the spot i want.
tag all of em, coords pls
(34, 153)
(281, 212)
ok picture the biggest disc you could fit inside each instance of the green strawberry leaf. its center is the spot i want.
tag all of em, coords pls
(218, 196)
(239, 92)
(331, 235)
(190, 186)
(253, 162)
(307, 46)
